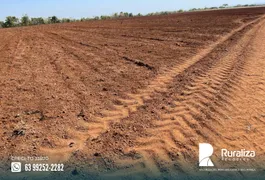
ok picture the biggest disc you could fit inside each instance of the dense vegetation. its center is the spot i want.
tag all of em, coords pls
(25, 20)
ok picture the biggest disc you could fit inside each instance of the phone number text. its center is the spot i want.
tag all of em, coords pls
(44, 167)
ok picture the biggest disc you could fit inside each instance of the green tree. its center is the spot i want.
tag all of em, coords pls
(104, 17)
(121, 14)
(181, 10)
(193, 9)
(66, 20)
(164, 13)
(37, 21)
(115, 15)
(25, 20)
(11, 21)
(53, 20)
(130, 14)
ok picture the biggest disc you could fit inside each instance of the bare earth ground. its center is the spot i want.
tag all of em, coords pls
(134, 97)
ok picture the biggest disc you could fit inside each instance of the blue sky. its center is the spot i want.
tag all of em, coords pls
(90, 8)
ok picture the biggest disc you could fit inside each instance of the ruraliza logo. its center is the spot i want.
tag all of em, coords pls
(205, 152)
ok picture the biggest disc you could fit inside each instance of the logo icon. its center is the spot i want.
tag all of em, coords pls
(16, 167)
(205, 152)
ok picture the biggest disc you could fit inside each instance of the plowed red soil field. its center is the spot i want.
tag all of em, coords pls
(135, 97)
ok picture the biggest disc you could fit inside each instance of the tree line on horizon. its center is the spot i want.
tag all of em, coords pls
(25, 20)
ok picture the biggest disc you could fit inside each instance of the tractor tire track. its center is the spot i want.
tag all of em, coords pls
(159, 84)
(183, 128)
(131, 104)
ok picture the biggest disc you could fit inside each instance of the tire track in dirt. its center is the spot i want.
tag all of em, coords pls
(183, 127)
(130, 105)
(250, 102)
(159, 84)
(62, 152)
(71, 54)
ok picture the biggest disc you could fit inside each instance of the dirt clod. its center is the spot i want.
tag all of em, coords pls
(18, 132)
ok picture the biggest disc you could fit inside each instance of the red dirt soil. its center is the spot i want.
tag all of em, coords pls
(135, 96)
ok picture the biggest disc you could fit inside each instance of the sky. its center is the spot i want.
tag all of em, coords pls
(91, 8)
